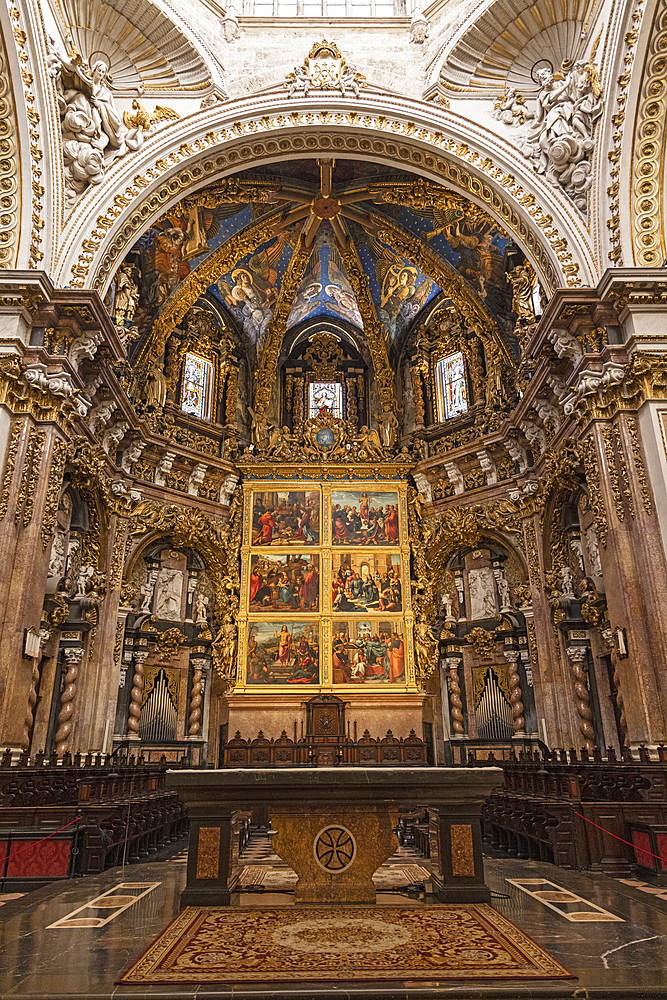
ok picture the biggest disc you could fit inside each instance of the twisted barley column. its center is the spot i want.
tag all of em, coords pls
(516, 696)
(620, 703)
(73, 655)
(577, 656)
(455, 703)
(135, 694)
(195, 697)
(32, 701)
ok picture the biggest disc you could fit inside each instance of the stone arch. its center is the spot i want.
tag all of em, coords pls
(246, 133)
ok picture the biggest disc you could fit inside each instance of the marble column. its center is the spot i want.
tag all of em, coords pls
(140, 657)
(516, 696)
(577, 656)
(73, 656)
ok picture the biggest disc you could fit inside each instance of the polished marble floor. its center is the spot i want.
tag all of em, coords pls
(54, 944)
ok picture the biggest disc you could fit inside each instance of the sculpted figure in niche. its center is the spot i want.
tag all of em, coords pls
(169, 595)
(201, 607)
(504, 594)
(127, 295)
(388, 427)
(593, 552)
(146, 595)
(481, 589)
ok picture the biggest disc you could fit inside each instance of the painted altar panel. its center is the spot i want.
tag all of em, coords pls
(366, 580)
(286, 517)
(368, 651)
(364, 517)
(283, 652)
(304, 581)
(285, 581)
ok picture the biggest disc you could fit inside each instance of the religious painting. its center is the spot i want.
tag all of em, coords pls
(289, 582)
(370, 651)
(364, 517)
(283, 652)
(366, 581)
(250, 290)
(286, 517)
(399, 289)
(325, 290)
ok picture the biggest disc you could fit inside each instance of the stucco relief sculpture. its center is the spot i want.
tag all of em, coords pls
(560, 139)
(93, 132)
(482, 597)
(324, 68)
(558, 135)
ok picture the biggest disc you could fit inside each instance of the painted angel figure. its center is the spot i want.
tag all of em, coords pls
(402, 292)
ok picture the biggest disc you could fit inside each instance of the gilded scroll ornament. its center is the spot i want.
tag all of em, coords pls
(646, 192)
(168, 643)
(482, 641)
(9, 169)
(613, 472)
(58, 459)
(639, 465)
(590, 458)
(10, 464)
(32, 464)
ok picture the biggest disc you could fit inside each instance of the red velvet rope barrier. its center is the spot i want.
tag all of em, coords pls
(34, 843)
(639, 850)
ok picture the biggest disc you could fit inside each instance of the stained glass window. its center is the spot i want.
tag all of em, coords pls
(195, 398)
(325, 396)
(451, 386)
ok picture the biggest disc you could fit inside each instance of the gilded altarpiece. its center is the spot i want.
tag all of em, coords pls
(325, 600)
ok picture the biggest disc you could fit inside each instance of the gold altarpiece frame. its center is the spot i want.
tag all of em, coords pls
(304, 509)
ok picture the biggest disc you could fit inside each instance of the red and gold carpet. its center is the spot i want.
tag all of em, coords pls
(354, 943)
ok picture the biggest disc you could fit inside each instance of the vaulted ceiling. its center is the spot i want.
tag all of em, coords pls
(338, 239)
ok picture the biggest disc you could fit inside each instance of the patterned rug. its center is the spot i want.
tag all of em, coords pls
(351, 943)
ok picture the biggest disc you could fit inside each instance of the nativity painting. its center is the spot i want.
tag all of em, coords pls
(286, 517)
(280, 652)
(364, 517)
(289, 582)
(368, 652)
(366, 582)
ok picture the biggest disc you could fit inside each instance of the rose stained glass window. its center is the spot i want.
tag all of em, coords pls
(195, 398)
(325, 397)
(451, 386)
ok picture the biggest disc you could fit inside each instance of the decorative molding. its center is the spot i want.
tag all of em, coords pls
(36, 154)
(618, 120)
(646, 193)
(294, 137)
(10, 196)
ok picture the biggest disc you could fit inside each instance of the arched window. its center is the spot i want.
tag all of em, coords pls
(450, 381)
(196, 392)
(327, 8)
(325, 396)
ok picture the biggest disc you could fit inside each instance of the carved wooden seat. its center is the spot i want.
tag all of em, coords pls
(283, 751)
(260, 750)
(367, 751)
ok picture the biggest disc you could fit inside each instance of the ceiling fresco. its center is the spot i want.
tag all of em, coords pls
(337, 207)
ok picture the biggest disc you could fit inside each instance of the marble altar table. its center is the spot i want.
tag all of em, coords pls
(335, 826)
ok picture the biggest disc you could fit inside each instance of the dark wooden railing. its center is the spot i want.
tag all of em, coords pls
(582, 811)
(324, 751)
(106, 812)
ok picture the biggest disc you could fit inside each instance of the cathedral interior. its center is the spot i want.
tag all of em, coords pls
(333, 498)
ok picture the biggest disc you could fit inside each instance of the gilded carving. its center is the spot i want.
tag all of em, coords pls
(533, 556)
(589, 454)
(169, 642)
(32, 464)
(58, 459)
(36, 154)
(648, 210)
(10, 464)
(627, 493)
(639, 465)
(482, 641)
(613, 472)
(9, 169)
